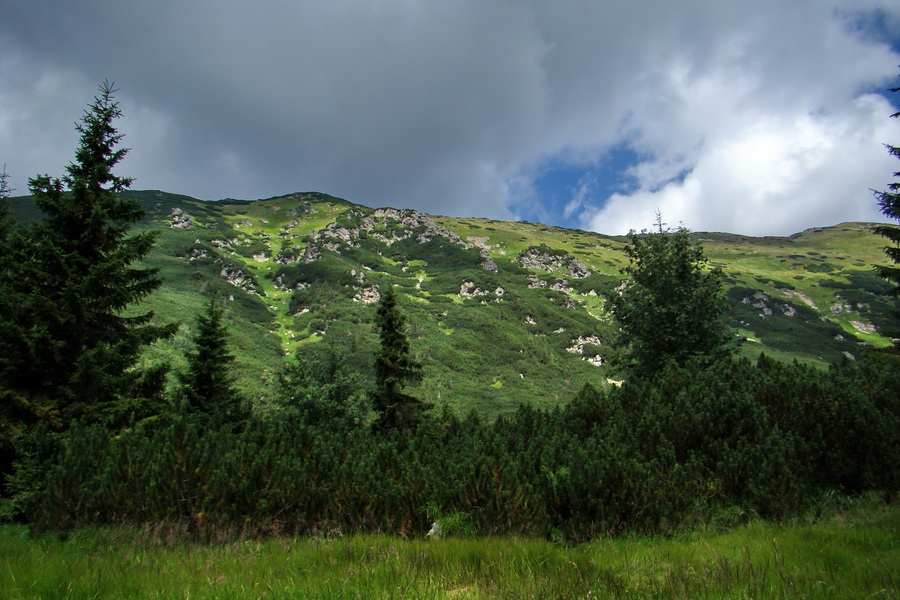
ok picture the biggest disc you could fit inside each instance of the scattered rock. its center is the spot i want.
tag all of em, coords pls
(223, 244)
(488, 263)
(542, 258)
(181, 220)
(289, 255)
(560, 286)
(311, 253)
(863, 327)
(536, 282)
(578, 270)
(802, 297)
(767, 307)
(368, 294)
(196, 254)
(578, 347)
(236, 277)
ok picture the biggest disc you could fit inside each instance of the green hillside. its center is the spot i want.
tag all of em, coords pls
(499, 312)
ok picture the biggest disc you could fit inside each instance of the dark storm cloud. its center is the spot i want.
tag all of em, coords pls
(452, 107)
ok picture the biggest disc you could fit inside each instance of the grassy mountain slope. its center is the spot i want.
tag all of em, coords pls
(499, 312)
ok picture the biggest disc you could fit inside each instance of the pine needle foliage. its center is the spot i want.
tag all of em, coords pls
(208, 384)
(889, 202)
(731, 439)
(73, 341)
(394, 368)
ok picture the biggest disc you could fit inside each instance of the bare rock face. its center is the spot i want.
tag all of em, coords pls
(412, 221)
(578, 347)
(536, 282)
(289, 256)
(534, 258)
(181, 220)
(311, 253)
(767, 306)
(578, 270)
(301, 209)
(236, 277)
(224, 244)
(368, 294)
(468, 289)
(560, 286)
(863, 326)
(334, 237)
(488, 263)
(542, 259)
(196, 254)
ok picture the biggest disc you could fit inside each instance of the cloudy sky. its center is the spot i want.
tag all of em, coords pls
(763, 117)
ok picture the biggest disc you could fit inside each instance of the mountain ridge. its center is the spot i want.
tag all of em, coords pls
(500, 312)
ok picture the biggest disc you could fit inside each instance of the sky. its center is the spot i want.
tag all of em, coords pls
(761, 118)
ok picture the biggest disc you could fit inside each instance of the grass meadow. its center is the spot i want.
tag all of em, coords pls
(850, 553)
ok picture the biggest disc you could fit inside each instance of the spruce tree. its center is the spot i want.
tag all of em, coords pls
(394, 369)
(207, 384)
(671, 306)
(72, 345)
(889, 201)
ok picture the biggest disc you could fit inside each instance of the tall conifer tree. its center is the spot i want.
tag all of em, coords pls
(394, 368)
(76, 335)
(208, 385)
(889, 201)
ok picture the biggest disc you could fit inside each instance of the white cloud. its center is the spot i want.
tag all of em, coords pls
(453, 108)
(770, 175)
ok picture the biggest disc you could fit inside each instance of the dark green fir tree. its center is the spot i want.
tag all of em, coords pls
(71, 345)
(889, 202)
(208, 385)
(394, 369)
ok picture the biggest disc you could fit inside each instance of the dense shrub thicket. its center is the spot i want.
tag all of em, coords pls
(652, 456)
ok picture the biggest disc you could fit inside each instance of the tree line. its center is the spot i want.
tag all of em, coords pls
(90, 436)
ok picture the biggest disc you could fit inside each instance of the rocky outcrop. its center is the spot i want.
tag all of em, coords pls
(289, 255)
(578, 270)
(560, 286)
(468, 289)
(488, 263)
(180, 219)
(196, 254)
(863, 326)
(335, 236)
(303, 208)
(224, 244)
(767, 306)
(368, 294)
(542, 258)
(236, 277)
(579, 346)
(412, 223)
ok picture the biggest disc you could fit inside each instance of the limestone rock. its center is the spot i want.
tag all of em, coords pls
(181, 220)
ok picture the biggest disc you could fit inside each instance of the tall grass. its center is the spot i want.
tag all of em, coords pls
(852, 554)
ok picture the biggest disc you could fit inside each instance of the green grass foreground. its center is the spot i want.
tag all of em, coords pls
(851, 554)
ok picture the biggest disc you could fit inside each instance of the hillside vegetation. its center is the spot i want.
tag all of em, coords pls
(499, 312)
